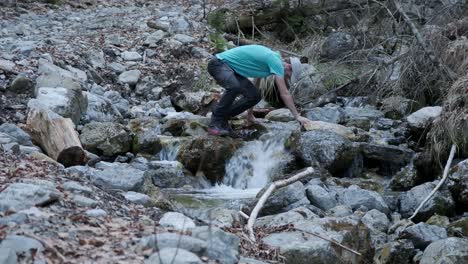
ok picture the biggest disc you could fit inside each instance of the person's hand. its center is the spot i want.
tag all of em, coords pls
(304, 121)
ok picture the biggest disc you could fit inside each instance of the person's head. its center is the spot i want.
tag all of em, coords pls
(287, 70)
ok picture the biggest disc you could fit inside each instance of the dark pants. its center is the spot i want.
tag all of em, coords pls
(235, 85)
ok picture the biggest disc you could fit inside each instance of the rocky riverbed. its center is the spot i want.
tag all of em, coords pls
(156, 188)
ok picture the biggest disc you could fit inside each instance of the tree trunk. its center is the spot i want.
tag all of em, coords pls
(56, 135)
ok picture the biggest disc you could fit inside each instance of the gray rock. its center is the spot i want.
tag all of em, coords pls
(116, 67)
(155, 38)
(7, 256)
(290, 217)
(356, 197)
(405, 179)
(328, 149)
(159, 24)
(137, 198)
(340, 211)
(180, 25)
(16, 133)
(177, 221)
(449, 250)
(390, 158)
(7, 65)
(54, 76)
(130, 77)
(171, 240)
(131, 56)
(282, 199)
(22, 85)
(308, 85)
(458, 184)
(185, 39)
(149, 86)
(338, 44)
(200, 53)
(21, 244)
(280, 115)
(441, 203)
(95, 58)
(107, 138)
(14, 219)
(84, 201)
(244, 260)
(173, 256)
(397, 107)
(69, 103)
(423, 117)
(100, 109)
(423, 234)
(174, 177)
(191, 101)
(376, 220)
(321, 197)
(400, 251)
(19, 196)
(96, 213)
(74, 186)
(119, 176)
(79, 74)
(221, 245)
(326, 114)
(118, 101)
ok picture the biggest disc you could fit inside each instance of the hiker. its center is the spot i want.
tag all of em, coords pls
(231, 69)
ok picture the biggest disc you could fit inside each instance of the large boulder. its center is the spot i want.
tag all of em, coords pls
(406, 178)
(423, 234)
(21, 245)
(208, 155)
(120, 176)
(308, 85)
(449, 250)
(286, 218)
(376, 220)
(322, 197)
(327, 149)
(422, 118)
(390, 159)
(19, 196)
(177, 221)
(356, 197)
(222, 246)
(193, 102)
(107, 138)
(337, 44)
(53, 76)
(284, 199)
(21, 85)
(458, 184)
(16, 134)
(100, 109)
(441, 203)
(172, 174)
(400, 251)
(361, 117)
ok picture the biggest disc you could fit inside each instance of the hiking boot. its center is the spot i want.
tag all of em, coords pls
(218, 131)
(227, 126)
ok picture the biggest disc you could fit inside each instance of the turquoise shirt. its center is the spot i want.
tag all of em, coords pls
(253, 61)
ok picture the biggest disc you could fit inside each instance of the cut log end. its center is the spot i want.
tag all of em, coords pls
(72, 156)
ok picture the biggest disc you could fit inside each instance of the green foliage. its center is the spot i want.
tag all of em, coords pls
(204, 82)
(218, 42)
(216, 19)
(335, 75)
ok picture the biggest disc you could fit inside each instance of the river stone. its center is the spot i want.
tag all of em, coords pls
(84, 201)
(192, 101)
(423, 234)
(207, 154)
(337, 44)
(325, 114)
(95, 58)
(153, 40)
(96, 213)
(458, 184)
(130, 77)
(405, 179)
(7, 65)
(7, 256)
(280, 115)
(120, 176)
(74, 186)
(185, 39)
(138, 198)
(286, 218)
(221, 245)
(16, 133)
(118, 101)
(131, 56)
(390, 158)
(441, 203)
(321, 197)
(340, 211)
(21, 85)
(327, 149)
(174, 177)
(173, 256)
(71, 103)
(107, 138)
(116, 67)
(376, 220)
(180, 25)
(100, 109)
(200, 53)
(449, 250)
(423, 117)
(19, 196)
(330, 127)
(21, 244)
(177, 221)
(397, 107)
(282, 199)
(400, 251)
(355, 197)
(171, 240)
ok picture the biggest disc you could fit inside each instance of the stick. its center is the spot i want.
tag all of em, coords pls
(244, 215)
(446, 171)
(47, 246)
(331, 241)
(268, 192)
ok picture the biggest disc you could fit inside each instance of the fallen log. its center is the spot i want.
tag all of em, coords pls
(56, 135)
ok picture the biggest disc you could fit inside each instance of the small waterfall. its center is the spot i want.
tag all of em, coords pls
(169, 150)
(253, 165)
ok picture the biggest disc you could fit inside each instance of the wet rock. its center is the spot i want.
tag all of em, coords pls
(400, 251)
(131, 56)
(328, 149)
(69, 103)
(96, 213)
(21, 85)
(107, 138)
(130, 77)
(376, 220)
(458, 184)
(441, 203)
(280, 115)
(155, 38)
(449, 250)
(282, 199)
(289, 217)
(100, 109)
(390, 159)
(147, 135)
(221, 245)
(177, 221)
(171, 240)
(16, 134)
(331, 114)
(356, 197)
(321, 197)
(423, 234)
(173, 176)
(337, 44)
(186, 127)
(84, 201)
(423, 117)
(120, 176)
(19, 196)
(173, 256)
(95, 58)
(7, 256)
(207, 154)
(405, 179)
(21, 244)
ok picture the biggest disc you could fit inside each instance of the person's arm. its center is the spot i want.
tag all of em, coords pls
(288, 100)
